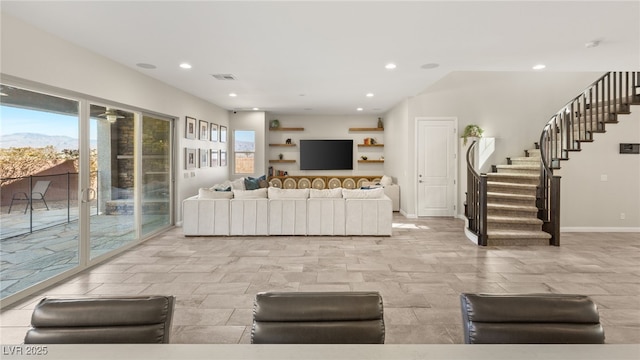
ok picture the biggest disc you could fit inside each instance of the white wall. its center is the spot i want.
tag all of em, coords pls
(31, 54)
(512, 107)
(327, 127)
(397, 165)
(587, 202)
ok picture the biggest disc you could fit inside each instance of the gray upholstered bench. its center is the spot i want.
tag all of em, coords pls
(530, 319)
(140, 319)
(318, 318)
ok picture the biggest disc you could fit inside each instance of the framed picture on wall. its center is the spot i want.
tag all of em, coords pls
(189, 158)
(213, 129)
(190, 128)
(204, 158)
(204, 130)
(223, 133)
(223, 158)
(214, 158)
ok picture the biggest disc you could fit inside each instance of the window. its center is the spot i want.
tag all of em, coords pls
(244, 151)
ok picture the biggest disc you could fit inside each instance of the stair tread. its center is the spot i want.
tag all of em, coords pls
(527, 167)
(510, 195)
(512, 207)
(514, 220)
(510, 234)
(507, 184)
(509, 175)
(527, 158)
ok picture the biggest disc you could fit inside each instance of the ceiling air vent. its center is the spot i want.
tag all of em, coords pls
(224, 76)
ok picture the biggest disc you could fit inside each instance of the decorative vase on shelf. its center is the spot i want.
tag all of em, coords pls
(274, 124)
(380, 124)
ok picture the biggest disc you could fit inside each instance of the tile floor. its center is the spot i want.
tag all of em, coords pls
(419, 271)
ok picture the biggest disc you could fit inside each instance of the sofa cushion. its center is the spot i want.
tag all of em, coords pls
(326, 193)
(250, 194)
(205, 193)
(277, 193)
(363, 194)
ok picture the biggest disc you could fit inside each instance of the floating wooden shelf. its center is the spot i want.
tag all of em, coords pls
(287, 129)
(370, 161)
(282, 144)
(370, 145)
(366, 129)
(282, 161)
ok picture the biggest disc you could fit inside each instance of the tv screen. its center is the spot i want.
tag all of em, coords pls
(326, 154)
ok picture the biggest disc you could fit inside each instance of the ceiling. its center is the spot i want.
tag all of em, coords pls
(302, 57)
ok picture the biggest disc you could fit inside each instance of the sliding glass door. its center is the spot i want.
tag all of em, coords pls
(156, 182)
(39, 155)
(81, 181)
(110, 194)
(130, 182)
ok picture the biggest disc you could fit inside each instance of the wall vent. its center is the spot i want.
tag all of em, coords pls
(224, 76)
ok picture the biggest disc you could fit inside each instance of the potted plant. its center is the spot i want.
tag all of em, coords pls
(471, 130)
(280, 156)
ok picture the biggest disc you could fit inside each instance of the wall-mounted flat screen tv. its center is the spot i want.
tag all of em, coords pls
(326, 154)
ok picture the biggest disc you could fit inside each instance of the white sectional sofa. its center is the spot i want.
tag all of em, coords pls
(275, 211)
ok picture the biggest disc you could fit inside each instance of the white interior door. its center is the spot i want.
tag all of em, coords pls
(436, 167)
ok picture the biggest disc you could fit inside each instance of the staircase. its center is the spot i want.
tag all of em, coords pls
(512, 215)
(519, 203)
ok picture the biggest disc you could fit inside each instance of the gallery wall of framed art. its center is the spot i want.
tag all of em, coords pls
(209, 149)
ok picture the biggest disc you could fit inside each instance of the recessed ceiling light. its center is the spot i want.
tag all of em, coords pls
(233, 94)
(185, 66)
(429, 66)
(539, 67)
(370, 95)
(146, 66)
(359, 109)
(256, 109)
(592, 44)
(390, 66)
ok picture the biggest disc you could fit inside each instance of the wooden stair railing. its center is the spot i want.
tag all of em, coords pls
(475, 206)
(575, 123)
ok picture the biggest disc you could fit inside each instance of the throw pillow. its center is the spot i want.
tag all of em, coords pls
(250, 194)
(326, 193)
(262, 181)
(251, 183)
(386, 180)
(205, 193)
(277, 193)
(363, 194)
(225, 186)
(238, 184)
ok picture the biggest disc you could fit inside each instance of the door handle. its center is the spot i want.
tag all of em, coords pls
(91, 195)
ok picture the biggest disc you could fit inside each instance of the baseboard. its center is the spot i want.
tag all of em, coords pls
(471, 236)
(601, 229)
(408, 216)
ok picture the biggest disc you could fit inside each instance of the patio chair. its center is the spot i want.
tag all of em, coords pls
(37, 193)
